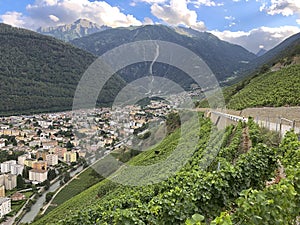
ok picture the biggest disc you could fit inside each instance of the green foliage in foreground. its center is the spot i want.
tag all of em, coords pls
(194, 190)
(277, 204)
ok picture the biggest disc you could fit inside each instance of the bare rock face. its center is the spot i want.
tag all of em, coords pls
(68, 32)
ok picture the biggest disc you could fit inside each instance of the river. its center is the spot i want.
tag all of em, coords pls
(35, 209)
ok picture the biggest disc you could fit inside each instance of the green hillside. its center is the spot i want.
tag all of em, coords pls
(274, 84)
(216, 194)
(272, 89)
(283, 52)
(265, 88)
(39, 73)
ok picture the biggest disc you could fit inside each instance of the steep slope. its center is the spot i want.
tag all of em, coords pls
(38, 73)
(278, 88)
(261, 52)
(79, 28)
(274, 83)
(224, 59)
(288, 48)
(191, 190)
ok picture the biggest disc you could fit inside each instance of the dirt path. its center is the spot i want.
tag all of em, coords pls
(246, 143)
(280, 174)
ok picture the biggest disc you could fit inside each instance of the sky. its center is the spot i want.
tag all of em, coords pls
(253, 24)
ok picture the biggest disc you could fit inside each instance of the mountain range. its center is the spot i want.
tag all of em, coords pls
(39, 73)
(261, 52)
(79, 28)
(275, 81)
(224, 59)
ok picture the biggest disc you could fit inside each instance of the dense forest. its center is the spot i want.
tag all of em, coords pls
(39, 73)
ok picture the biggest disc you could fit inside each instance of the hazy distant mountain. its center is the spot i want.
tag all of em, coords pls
(286, 49)
(79, 28)
(224, 59)
(275, 82)
(39, 73)
(261, 52)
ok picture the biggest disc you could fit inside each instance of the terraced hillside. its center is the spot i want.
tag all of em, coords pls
(195, 194)
(272, 89)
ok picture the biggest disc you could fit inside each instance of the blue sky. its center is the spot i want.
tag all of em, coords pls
(253, 24)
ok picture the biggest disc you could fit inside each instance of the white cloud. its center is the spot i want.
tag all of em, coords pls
(41, 13)
(229, 18)
(284, 7)
(232, 24)
(152, 1)
(54, 18)
(263, 36)
(133, 4)
(13, 18)
(148, 21)
(177, 13)
(210, 3)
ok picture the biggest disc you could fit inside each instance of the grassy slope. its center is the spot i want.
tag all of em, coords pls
(85, 180)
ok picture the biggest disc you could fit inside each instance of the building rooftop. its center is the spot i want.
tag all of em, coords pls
(2, 200)
(38, 171)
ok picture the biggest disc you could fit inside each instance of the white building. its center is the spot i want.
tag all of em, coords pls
(34, 143)
(5, 206)
(9, 181)
(6, 166)
(45, 124)
(2, 144)
(22, 158)
(52, 159)
(38, 175)
(16, 169)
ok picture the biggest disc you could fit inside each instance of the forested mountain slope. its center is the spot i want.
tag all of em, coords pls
(38, 73)
(223, 58)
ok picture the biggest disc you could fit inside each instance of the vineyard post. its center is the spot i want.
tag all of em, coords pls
(294, 124)
(280, 125)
